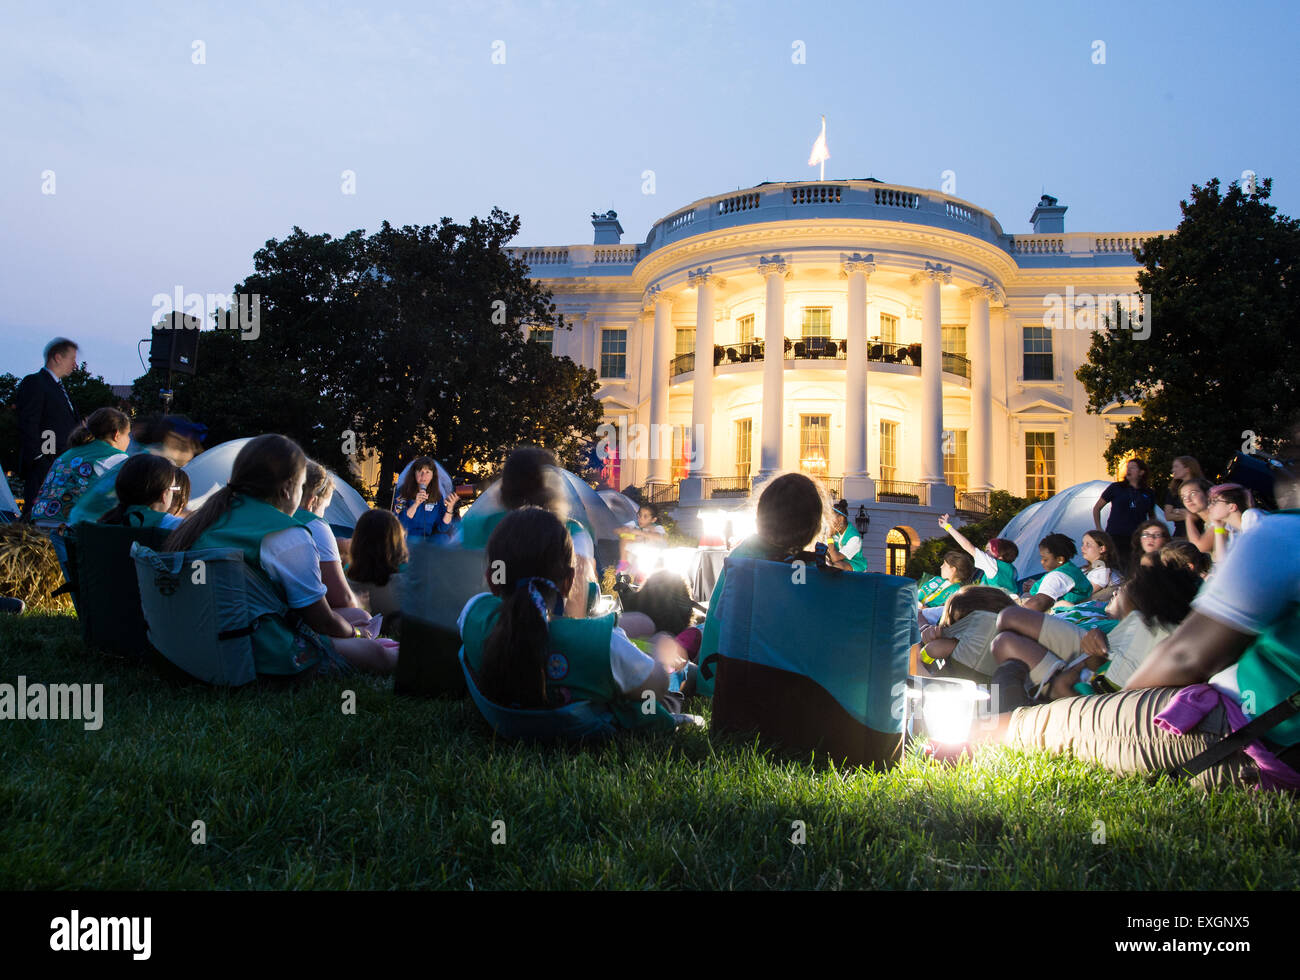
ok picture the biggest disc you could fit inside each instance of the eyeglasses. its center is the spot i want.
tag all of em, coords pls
(1218, 500)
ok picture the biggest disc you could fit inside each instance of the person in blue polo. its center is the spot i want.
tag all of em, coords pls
(844, 550)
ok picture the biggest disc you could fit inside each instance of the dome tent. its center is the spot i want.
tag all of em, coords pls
(210, 471)
(7, 502)
(1068, 512)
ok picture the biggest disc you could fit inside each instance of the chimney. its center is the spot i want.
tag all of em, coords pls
(1048, 217)
(608, 230)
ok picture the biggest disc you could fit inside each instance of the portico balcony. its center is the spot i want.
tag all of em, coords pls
(829, 349)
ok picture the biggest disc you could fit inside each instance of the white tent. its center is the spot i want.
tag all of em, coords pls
(7, 502)
(1068, 512)
(210, 471)
(621, 506)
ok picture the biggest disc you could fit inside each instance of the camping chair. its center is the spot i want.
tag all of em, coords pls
(436, 584)
(203, 623)
(579, 720)
(815, 665)
(103, 585)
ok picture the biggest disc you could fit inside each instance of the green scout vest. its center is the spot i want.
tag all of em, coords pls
(475, 529)
(277, 648)
(138, 515)
(1086, 615)
(577, 664)
(935, 591)
(1005, 579)
(1082, 590)
(1270, 669)
(712, 629)
(71, 476)
(101, 496)
(858, 561)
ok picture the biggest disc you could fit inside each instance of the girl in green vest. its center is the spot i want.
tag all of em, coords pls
(94, 449)
(253, 512)
(844, 550)
(317, 490)
(145, 488)
(955, 570)
(530, 478)
(526, 654)
(1064, 580)
(995, 564)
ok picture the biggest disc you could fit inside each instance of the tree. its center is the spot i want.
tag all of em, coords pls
(89, 391)
(412, 341)
(1219, 371)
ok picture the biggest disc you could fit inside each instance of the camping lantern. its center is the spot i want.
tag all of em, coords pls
(947, 707)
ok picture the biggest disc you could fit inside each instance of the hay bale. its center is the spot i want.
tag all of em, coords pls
(29, 569)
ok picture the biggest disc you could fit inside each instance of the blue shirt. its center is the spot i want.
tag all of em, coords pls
(427, 520)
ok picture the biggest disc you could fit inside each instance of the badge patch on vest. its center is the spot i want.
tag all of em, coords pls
(557, 666)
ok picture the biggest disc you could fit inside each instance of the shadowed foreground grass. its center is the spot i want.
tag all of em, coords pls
(403, 794)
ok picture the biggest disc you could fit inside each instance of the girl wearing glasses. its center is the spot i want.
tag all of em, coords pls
(1230, 513)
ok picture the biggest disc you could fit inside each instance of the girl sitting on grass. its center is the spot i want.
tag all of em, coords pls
(1102, 571)
(146, 487)
(1054, 654)
(789, 516)
(955, 571)
(317, 490)
(995, 564)
(254, 513)
(378, 556)
(1064, 581)
(526, 654)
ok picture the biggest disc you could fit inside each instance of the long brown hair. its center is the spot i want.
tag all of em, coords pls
(1194, 472)
(378, 547)
(410, 486)
(141, 481)
(102, 423)
(974, 598)
(536, 554)
(264, 468)
(790, 513)
(1109, 553)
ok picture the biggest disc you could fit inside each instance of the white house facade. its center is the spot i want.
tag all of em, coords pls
(891, 341)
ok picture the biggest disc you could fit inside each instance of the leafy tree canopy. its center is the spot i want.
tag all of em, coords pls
(1221, 363)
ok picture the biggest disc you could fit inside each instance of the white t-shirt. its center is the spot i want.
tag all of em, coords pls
(987, 564)
(629, 665)
(290, 559)
(1252, 587)
(851, 547)
(1101, 576)
(326, 545)
(1055, 584)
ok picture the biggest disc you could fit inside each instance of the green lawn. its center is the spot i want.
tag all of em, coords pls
(403, 794)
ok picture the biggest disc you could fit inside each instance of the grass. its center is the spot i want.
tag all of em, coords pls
(403, 794)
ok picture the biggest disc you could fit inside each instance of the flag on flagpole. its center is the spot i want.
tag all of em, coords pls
(819, 152)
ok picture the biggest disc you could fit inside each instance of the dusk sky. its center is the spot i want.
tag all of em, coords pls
(169, 173)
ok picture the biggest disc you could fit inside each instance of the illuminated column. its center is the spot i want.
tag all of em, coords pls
(931, 371)
(856, 268)
(660, 463)
(775, 271)
(981, 386)
(701, 460)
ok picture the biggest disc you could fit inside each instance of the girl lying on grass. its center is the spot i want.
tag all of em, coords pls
(254, 513)
(526, 654)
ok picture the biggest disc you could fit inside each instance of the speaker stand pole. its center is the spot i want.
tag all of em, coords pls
(167, 394)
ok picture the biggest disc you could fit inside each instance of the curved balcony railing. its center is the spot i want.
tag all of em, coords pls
(819, 348)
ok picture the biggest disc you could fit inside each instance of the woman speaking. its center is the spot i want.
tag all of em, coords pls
(421, 513)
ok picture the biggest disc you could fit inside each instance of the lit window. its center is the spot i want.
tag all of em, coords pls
(816, 321)
(897, 550)
(888, 329)
(1040, 465)
(744, 446)
(888, 450)
(613, 353)
(954, 459)
(954, 340)
(545, 336)
(1038, 354)
(681, 453)
(685, 342)
(814, 444)
(745, 329)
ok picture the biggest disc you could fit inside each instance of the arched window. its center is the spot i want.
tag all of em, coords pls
(897, 550)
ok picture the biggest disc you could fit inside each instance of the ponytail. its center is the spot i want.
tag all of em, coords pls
(537, 553)
(80, 436)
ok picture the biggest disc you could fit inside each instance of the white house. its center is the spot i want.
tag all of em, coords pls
(922, 356)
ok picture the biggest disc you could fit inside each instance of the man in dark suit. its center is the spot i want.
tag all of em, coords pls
(45, 417)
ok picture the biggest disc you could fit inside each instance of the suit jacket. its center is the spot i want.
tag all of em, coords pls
(42, 407)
